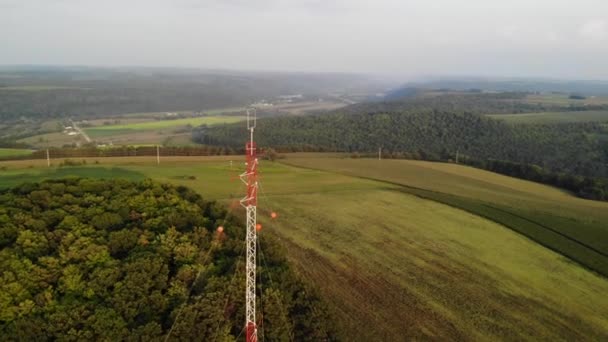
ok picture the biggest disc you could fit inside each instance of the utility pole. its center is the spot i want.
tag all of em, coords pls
(157, 155)
(457, 155)
(48, 158)
(250, 201)
(380, 153)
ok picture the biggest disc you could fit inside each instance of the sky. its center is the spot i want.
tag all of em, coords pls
(512, 38)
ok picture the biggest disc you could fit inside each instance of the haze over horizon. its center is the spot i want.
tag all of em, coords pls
(553, 39)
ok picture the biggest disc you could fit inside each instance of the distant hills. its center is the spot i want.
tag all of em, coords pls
(502, 85)
(50, 92)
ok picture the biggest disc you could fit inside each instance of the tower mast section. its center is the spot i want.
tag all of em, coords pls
(250, 178)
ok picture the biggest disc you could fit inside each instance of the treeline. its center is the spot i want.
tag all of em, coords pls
(573, 148)
(585, 187)
(129, 151)
(494, 103)
(84, 259)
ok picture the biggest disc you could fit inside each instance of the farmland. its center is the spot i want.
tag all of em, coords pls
(552, 117)
(392, 261)
(11, 152)
(564, 100)
(110, 130)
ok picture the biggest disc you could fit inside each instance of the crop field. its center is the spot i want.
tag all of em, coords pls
(109, 130)
(52, 139)
(564, 100)
(10, 152)
(392, 261)
(552, 117)
(303, 107)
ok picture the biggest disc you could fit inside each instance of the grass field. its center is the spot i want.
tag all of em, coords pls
(394, 265)
(552, 117)
(11, 152)
(572, 226)
(109, 130)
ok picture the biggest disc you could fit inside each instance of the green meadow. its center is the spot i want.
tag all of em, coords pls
(11, 152)
(109, 130)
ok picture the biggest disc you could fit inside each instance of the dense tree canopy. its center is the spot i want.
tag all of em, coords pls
(84, 259)
(468, 102)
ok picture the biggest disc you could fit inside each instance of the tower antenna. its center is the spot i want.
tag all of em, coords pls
(250, 201)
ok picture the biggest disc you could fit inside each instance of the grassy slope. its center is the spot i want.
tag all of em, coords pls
(393, 266)
(552, 117)
(572, 226)
(103, 131)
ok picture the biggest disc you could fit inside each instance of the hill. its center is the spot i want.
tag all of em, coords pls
(394, 263)
(97, 92)
(589, 87)
(116, 260)
(34, 98)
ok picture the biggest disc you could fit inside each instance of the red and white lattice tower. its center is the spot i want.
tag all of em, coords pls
(250, 178)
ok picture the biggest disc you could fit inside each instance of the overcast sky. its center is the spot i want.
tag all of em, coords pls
(549, 38)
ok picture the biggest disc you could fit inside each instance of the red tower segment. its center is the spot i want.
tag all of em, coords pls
(252, 174)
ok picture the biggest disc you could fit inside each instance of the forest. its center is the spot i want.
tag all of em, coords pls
(571, 155)
(577, 148)
(409, 100)
(84, 259)
(585, 187)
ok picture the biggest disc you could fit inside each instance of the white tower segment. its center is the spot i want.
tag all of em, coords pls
(250, 178)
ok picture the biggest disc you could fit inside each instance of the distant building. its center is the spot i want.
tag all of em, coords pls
(262, 104)
(291, 97)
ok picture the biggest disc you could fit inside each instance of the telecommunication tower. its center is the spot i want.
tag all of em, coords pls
(250, 178)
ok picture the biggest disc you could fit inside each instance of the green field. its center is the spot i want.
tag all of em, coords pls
(36, 88)
(571, 226)
(11, 152)
(109, 130)
(552, 117)
(564, 100)
(393, 261)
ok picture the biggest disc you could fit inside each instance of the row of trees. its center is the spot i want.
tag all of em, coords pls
(130, 151)
(586, 187)
(84, 259)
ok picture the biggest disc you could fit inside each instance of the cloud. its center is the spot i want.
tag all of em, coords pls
(529, 33)
(594, 30)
